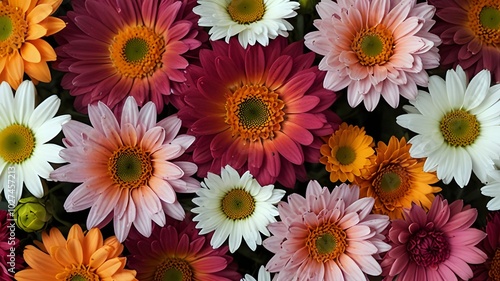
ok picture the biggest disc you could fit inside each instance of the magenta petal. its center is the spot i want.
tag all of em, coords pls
(278, 72)
(289, 149)
(298, 133)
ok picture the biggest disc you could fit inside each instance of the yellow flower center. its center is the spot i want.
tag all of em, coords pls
(246, 11)
(238, 204)
(484, 21)
(373, 45)
(345, 155)
(136, 52)
(80, 273)
(326, 242)
(13, 28)
(459, 128)
(130, 167)
(174, 269)
(494, 271)
(254, 112)
(17, 143)
(391, 184)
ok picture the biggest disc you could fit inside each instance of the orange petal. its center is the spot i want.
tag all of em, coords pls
(38, 260)
(75, 250)
(53, 25)
(75, 232)
(23, 4)
(30, 53)
(39, 13)
(99, 257)
(91, 243)
(15, 67)
(36, 31)
(54, 3)
(109, 268)
(39, 71)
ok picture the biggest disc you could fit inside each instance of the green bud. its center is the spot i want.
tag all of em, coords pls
(31, 214)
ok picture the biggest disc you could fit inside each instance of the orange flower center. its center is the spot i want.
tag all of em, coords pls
(459, 128)
(238, 204)
(80, 273)
(254, 112)
(246, 11)
(17, 143)
(391, 184)
(136, 52)
(494, 271)
(130, 167)
(373, 45)
(13, 28)
(484, 21)
(174, 269)
(326, 242)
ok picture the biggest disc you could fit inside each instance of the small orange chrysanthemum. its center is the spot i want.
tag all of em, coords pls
(80, 257)
(348, 152)
(22, 24)
(395, 180)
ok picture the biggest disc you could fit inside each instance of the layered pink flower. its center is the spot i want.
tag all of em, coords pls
(114, 49)
(490, 269)
(129, 168)
(261, 109)
(177, 248)
(10, 261)
(326, 236)
(470, 31)
(375, 48)
(438, 245)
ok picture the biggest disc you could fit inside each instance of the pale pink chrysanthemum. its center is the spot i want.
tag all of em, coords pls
(375, 48)
(128, 168)
(438, 245)
(327, 236)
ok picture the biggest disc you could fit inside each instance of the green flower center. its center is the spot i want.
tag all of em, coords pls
(459, 128)
(326, 242)
(78, 278)
(253, 113)
(17, 143)
(130, 167)
(345, 155)
(391, 184)
(246, 11)
(174, 269)
(373, 45)
(13, 28)
(238, 204)
(5, 27)
(489, 17)
(390, 181)
(80, 273)
(484, 21)
(136, 49)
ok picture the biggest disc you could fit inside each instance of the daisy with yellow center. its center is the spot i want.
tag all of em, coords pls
(235, 207)
(396, 180)
(457, 125)
(22, 25)
(128, 170)
(83, 256)
(252, 20)
(347, 153)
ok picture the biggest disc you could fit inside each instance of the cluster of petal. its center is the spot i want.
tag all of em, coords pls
(279, 67)
(428, 110)
(490, 269)
(10, 261)
(93, 26)
(211, 217)
(88, 150)
(264, 275)
(438, 245)
(492, 189)
(414, 183)
(179, 240)
(80, 255)
(23, 50)
(414, 49)
(40, 120)
(342, 208)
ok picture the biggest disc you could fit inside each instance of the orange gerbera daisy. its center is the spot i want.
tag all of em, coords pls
(396, 180)
(22, 24)
(348, 152)
(80, 257)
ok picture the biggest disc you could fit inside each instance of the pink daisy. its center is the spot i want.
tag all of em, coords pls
(438, 245)
(375, 48)
(177, 252)
(10, 261)
(490, 269)
(261, 109)
(128, 168)
(470, 30)
(114, 49)
(326, 236)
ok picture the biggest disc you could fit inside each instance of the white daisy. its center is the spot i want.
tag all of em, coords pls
(264, 275)
(458, 126)
(235, 207)
(492, 189)
(252, 20)
(24, 131)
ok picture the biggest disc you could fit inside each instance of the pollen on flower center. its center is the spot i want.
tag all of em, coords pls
(459, 128)
(238, 204)
(130, 167)
(174, 269)
(17, 143)
(373, 45)
(246, 11)
(494, 272)
(345, 155)
(13, 28)
(428, 247)
(484, 21)
(391, 184)
(136, 52)
(81, 273)
(254, 112)
(326, 242)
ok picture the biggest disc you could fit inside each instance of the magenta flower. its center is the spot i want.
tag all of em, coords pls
(10, 262)
(490, 269)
